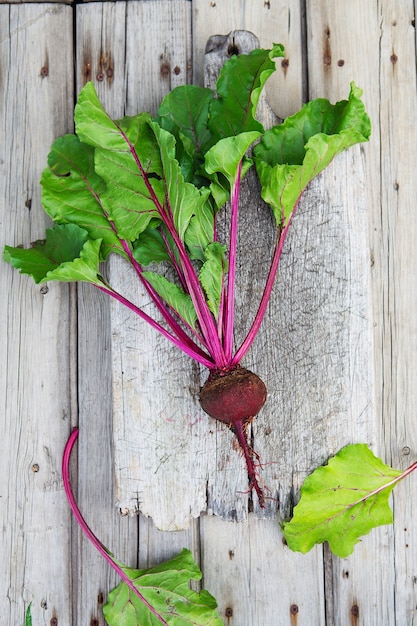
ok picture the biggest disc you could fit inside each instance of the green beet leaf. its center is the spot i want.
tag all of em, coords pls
(290, 155)
(227, 154)
(71, 191)
(127, 200)
(28, 615)
(94, 126)
(200, 232)
(342, 501)
(186, 109)
(174, 296)
(239, 86)
(184, 198)
(150, 247)
(212, 275)
(166, 589)
(66, 255)
(198, 120)
(127, 158)
(184, 113)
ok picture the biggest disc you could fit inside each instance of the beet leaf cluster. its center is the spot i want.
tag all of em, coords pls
(150, 190)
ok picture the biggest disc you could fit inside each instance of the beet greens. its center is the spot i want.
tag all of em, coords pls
(154, 596)
(150, 189)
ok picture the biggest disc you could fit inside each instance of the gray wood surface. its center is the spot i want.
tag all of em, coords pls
(38, 381)
(338, 347)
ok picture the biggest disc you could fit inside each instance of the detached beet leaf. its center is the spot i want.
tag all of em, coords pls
(151, 597)
(166, 588)
(343, 500)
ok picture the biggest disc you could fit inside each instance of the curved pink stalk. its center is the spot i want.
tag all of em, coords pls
(169, 319)
(196, 354)
(105, 553)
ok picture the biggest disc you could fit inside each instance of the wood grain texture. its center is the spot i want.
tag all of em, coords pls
(141, 86)
(384, 36)
(101, 57)
(36, 322)
(271, 22)
(398, 137)
(311, 351)
(255, 578)
(334, 59)
(34, 1)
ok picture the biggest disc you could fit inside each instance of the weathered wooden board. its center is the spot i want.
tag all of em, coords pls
(135, 52)
(34, 1)
(384, 36)
(36, 322)
(255, 578)
(397, 260)
(162, 439)
(111, 51)
(319, 315)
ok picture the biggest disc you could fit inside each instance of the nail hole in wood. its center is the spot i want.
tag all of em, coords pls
(232, 49)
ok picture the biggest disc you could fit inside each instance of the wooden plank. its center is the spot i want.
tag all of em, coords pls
(100, 56)
(255, 578)
(382, 35)
(315, 353)
(108, 53)
(100, 52)
(398, 261)
(34, 1)
(160, 468)
(144, 364)
(36, 322)
(335, 57)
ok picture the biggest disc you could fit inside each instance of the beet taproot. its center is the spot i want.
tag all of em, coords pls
(235, 397)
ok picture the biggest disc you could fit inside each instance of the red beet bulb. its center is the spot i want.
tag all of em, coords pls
(235, 397)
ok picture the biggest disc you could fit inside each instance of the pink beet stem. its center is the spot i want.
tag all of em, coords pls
(196, 354)
(105, 553)
(231, 278)
(205, 318)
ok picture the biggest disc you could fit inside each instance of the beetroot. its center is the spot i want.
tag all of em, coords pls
(235, 396)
